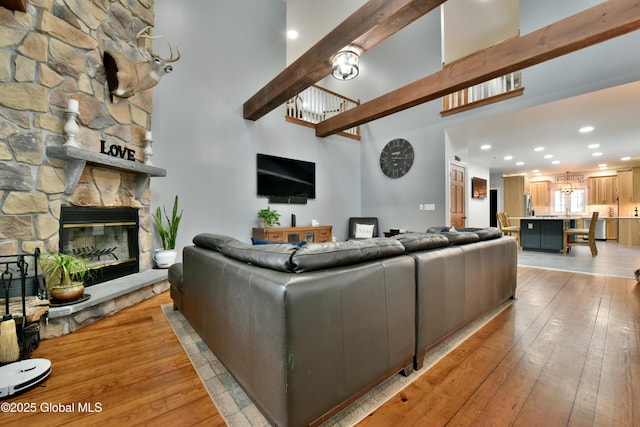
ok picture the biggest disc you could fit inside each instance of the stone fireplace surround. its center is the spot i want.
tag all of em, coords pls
(53, 53)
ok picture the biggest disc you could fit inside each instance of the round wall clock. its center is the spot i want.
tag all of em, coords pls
(396, 158)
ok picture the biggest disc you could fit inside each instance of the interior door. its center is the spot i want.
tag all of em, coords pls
(456, 196)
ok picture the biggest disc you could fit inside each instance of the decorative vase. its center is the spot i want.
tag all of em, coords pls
(67, 293)
(164, 258)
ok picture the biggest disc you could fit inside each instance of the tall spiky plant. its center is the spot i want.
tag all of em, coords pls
(169, 232)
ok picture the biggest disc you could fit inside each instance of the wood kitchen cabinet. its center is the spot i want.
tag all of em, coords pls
(514, 189)
(612, 228)
(625, 186)
(603, 190)
(540, 195)
(636, 184)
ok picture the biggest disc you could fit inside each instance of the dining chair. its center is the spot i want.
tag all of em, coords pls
(507, 228)
(575, 236)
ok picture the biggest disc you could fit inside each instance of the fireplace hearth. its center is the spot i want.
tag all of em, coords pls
(106, 237)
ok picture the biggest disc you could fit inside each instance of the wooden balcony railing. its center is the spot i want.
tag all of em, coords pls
(316, 104)
(491, 91)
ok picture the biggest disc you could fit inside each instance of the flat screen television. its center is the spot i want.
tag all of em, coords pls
(478, 188)
(285, 180)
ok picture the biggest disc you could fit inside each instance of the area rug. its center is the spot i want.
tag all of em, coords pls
(237, 409)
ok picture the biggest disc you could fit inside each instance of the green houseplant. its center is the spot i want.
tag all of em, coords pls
(65, 275)
(168, 232)
(269, 216)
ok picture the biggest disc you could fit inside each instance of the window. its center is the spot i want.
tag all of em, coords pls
(575, 199)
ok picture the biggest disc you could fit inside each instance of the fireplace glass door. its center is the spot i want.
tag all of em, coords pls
(106, 237)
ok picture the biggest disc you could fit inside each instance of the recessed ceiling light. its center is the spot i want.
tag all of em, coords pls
(592, 146)
(292, 34)
(535, 170)
(508, 157)
(626, 158)
(597, 154)
(555, 162)
(538, 149)
(548, 156)
(485, 147)
(519, 163)
(586, 129)
(602, 165)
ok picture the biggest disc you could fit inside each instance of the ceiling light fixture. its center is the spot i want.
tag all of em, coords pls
(485, 147)
(567, 187)
(593, 146)
(538, 149)
(346, 65)
(625, 159)
(508, 157)
(292, 34)
(586, 129)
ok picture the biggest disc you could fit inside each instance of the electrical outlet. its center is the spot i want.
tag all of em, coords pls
(429, 207)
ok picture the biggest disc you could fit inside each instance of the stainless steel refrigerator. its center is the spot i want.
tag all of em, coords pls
(527, 204)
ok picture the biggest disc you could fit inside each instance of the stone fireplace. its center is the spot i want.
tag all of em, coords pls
(52, 55)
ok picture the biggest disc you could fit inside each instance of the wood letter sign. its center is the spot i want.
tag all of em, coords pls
(118, 151)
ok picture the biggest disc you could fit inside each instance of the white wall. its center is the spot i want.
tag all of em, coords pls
(230, 49)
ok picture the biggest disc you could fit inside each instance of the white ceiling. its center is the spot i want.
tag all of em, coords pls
(614, 113)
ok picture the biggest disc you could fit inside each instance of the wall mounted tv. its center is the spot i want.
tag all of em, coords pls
(285, 180)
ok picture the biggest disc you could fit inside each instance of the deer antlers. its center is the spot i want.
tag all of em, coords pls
(144, 34)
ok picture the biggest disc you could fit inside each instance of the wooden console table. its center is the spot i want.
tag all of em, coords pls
(320, 233)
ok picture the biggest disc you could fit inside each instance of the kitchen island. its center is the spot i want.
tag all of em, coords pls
(546, 232)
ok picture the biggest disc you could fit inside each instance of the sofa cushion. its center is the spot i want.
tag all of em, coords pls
(275, 256)
(461, 237)
(422, 241)
(212, 241)
(270, 242)
(316, 256)
(488, 233)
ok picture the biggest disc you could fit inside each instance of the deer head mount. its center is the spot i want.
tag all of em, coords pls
(126, 77)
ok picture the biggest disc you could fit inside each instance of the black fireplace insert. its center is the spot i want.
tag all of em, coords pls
(106, 237)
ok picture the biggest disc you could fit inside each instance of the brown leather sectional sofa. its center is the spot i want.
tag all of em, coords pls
(306, 330)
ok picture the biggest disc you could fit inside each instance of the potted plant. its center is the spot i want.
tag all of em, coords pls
(269, 217)
(168, 232)
(65, 275)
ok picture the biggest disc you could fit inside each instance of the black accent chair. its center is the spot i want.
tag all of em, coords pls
(367, 220)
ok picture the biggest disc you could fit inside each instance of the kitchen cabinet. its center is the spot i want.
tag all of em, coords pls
(540, 196)
(513, 192)
(603, 190)
(636, 184)
(542, 234)
(625, 186)
(629, 232)
(612, 228)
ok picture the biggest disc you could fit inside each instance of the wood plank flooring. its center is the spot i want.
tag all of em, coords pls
(566, 352)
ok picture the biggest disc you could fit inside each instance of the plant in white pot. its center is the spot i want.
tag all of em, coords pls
(268, 217)
(168, 232)
(65, 275)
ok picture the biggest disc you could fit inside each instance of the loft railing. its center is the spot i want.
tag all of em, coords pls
(316, 104)
(491, 91)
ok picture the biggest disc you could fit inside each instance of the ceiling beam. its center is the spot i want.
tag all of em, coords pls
(600, 23)
(365, 28)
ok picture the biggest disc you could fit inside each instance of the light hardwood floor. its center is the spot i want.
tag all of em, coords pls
(566, 352)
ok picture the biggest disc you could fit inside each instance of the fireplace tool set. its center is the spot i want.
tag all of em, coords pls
(17, 337)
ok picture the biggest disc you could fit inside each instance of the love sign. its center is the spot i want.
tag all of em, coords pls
(118, 151)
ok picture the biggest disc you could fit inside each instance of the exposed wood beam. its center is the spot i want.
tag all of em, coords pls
(600, 23)
(365, 28)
